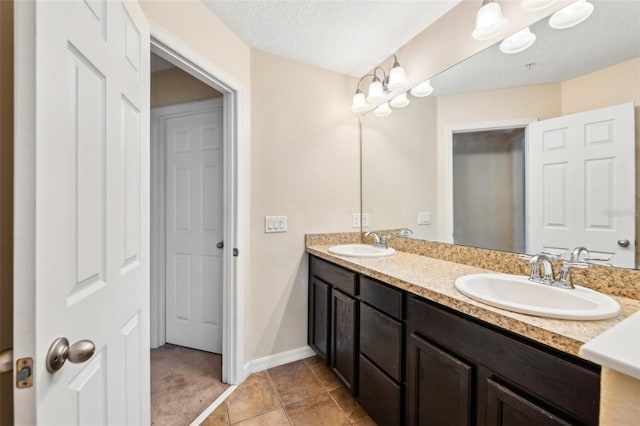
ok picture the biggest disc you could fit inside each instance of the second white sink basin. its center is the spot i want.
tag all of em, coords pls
(360, 250)
(516, 293)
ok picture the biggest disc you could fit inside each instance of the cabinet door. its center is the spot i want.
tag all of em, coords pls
(319, 316)
(439, 386)
(506, 408)
(344, 311)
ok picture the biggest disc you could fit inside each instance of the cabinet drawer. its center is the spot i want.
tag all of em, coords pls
(380, 396)
(381, 340)
(335, 275)
(385, 298)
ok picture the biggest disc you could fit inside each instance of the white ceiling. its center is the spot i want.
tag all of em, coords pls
(347, 36)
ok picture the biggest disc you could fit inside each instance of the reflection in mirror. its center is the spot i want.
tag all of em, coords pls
(523, 152)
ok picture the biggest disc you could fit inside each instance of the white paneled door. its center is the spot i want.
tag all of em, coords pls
(86, 66)
(581, 184)
(193, 217)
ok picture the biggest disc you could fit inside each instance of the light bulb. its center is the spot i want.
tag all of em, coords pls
(397, 77)
(571, 15)
(400, 101)
(489, 22)
(375, 93)
(423, 89)
(518, 42)
(383, 110)
(359, 103)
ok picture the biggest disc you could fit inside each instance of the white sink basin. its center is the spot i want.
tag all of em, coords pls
(516, 293)
(360, 250)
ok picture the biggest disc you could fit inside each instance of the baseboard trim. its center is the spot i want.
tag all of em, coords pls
(275, 360)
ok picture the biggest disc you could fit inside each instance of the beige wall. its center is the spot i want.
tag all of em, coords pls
(305, 165)
(6, 203)
(303, 145)
(399, 161)
(619, 399)
(174, 86)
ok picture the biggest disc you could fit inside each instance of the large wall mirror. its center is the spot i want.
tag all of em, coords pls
(522, 152)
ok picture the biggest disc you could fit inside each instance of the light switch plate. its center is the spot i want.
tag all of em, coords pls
(275, 224)
(424, 218)
(355, 220)
(365, 220)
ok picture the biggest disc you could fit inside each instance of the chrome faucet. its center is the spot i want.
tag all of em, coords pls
(382, 240)
(535, 262)
(376, 238)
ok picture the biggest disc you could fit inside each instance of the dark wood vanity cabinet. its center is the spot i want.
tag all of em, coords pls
(381, 380)
(333, 318)
(463, 372)
(409, 361)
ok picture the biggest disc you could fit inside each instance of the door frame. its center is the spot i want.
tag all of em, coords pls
(470, 128)
(171, 48)
(159, 115)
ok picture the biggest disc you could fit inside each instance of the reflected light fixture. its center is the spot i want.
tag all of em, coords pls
(571, 15)
(533, 5)
(489, 21)
(376, 90)
(400, 101)
(384, 110)
(518, 42)
(423, 89)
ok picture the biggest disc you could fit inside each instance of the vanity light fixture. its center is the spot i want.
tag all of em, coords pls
(533, 5)
(518, 42)
(384, 110)
(400, 101)
(379, 88)
(423, 89)
(489, 21)
(571, 15)
(397, 76)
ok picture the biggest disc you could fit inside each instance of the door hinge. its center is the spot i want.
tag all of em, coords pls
(24, 373)
(236, 253)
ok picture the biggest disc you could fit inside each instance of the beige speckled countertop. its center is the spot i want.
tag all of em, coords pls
(434, 280)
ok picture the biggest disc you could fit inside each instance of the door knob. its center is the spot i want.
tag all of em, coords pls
(60, 352)
(6, 361)
(623, 243)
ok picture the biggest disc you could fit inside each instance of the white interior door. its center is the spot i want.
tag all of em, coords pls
(84, 71)
(581, 183)
(194, 225)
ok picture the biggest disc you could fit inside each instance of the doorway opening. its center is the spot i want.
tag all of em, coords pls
(208, 176)
(486, 185)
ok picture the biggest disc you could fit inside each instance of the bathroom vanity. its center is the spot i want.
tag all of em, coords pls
(414, 351)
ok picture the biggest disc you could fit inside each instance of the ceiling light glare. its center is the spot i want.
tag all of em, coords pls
(533, 5)
(423, 89)
(571, 15)
(518, 42)
(383, 110)
(489, 22)
(359, 103)
(400, 101)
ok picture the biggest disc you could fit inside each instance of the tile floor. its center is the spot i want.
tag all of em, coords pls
(304, 392)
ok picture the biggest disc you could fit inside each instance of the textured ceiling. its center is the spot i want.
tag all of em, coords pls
(347, 36)
(610, 36)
